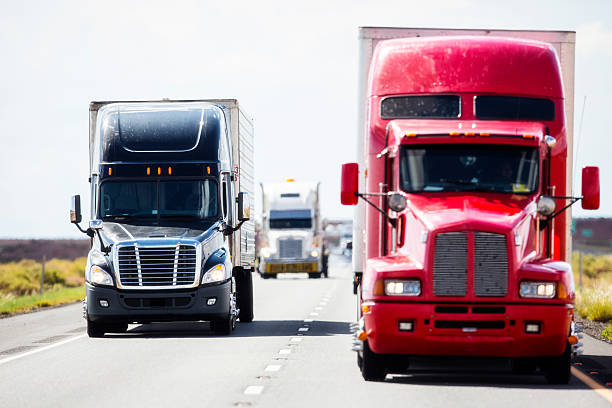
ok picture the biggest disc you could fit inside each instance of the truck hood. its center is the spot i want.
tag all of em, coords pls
(491, 212)
(117, 232)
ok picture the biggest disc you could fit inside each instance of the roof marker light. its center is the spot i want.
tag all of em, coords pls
(410, 135)
(110, 171)
(207, 169)
(289, 180)
(169, 171)
(528, 136)
(454, 133)
(469, 133)
(148, 171)
(484, 134)
(159, 171)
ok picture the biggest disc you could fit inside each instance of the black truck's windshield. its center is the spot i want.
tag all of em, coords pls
(180, 199)
(490, 168)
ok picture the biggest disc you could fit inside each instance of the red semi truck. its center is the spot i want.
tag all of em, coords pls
(461, 234)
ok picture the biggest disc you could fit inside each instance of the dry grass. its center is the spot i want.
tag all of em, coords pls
(23, 278)
(58, 295)
(594, 301)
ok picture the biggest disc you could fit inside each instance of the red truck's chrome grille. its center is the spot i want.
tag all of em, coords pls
(490, 268)
(490, 264)
(157, 266)
(450, 264)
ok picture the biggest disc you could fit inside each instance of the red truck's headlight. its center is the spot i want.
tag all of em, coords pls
(401, 287)
(543, 290)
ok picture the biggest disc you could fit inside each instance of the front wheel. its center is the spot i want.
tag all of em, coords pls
(223, 326)
(95, 329)
(557, 370)
(373, 366)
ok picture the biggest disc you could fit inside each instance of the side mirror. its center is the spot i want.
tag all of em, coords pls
(349, 245)
(590, 188)
(350, 184)
(75, 209)
(244, 207)
(396, 202)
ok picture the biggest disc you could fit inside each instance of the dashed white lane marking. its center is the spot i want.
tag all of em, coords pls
(308, 320)
(303, 329)
(45, 348)
(318, 308)
(295, 339)
(273, 367)
(314, 314)
(285, 351)
(253, 389)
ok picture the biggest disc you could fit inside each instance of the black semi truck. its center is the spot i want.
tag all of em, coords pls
(170, 226)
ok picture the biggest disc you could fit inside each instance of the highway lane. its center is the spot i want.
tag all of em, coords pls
(295, 354)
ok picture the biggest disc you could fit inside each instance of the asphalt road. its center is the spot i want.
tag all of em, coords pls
(295, 354)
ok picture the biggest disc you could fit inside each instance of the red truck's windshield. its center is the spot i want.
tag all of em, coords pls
(455, 168)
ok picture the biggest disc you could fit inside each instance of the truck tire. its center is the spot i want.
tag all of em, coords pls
(117, 328)
(315, 275)
(373, 366)
(557, 370)
(224, 326)
(244, 295)
(95, 329)
(524, 366)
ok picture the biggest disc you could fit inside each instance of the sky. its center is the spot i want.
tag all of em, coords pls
(292, 65)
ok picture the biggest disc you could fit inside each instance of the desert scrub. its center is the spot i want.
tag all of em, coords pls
(595, 303)
(23, 277)
(57, 295)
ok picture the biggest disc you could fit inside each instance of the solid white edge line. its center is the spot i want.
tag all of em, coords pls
(41, 349)
(285, 351)
(296, 339)
(253, 389)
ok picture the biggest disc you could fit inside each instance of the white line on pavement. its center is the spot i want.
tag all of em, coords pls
(285, 351)
(45, 348)
(253, 389)
(308, 320)
(314, 314)
(318, 308)
(303, 329)
(273, 367)
(295, 339)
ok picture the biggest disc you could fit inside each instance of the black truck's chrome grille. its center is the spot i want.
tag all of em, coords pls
(157, 266)
(490, 264)
(290, 248)
(450, 264)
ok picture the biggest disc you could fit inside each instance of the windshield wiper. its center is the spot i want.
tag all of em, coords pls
(470, 185)
(459, 182)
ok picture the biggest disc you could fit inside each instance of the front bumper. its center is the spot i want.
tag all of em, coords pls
(157, 305)
(470, 332)
(274, 266)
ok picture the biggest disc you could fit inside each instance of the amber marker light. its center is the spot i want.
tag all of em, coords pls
(528, 136)
(207, 170)
(485, 134)
(469, 133)
(148, 171)
(159, 171)
(110, 171)
(410, 135)
(169, 170)
(454, 133)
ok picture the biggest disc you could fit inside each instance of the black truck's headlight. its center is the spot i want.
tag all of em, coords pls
(100, 277)
(543, 290)
(214, 274)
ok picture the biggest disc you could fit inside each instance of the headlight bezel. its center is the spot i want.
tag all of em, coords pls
(391, 287)
(549, 290)
(98, 276)
(214, 274)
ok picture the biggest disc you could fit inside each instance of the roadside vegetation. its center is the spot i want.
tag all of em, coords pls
(20, 284)
(594, 301)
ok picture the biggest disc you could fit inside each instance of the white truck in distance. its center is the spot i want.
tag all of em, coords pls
(291, 238)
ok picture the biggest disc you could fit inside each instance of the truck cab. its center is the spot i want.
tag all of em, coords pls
(291, 238)
(170, 214)
(466, 180)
